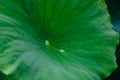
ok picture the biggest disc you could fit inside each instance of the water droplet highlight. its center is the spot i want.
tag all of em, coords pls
(62, 51)
(47, 42)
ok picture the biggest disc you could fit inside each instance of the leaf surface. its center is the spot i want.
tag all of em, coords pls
(56, 40)
(114, 10)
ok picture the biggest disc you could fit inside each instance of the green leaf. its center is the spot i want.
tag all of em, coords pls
(115, 15)
(56, 40)
(114, 10)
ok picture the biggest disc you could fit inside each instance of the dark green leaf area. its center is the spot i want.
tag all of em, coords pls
(3, 76)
